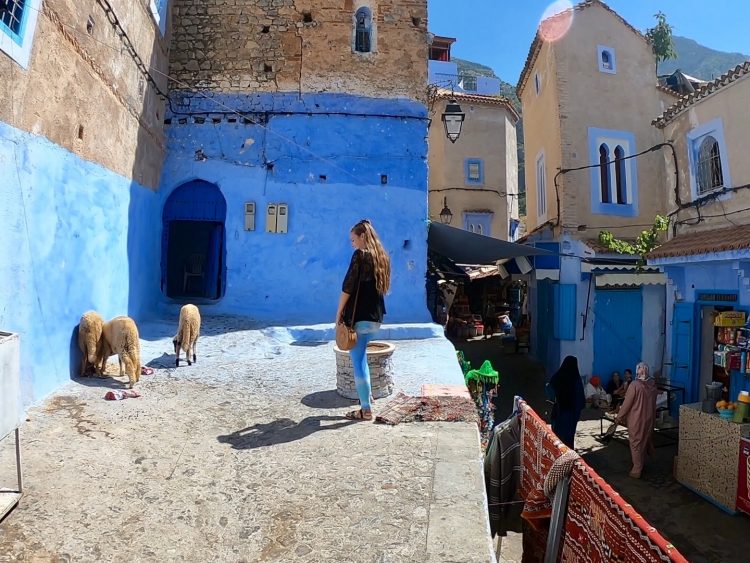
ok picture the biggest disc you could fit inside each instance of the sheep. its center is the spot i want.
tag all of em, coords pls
(187, 333)
(90, 341)
(121, 338)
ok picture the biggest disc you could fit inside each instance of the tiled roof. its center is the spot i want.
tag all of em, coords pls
(704, 242)
(686, 101)
(536, 45)
(479, 99)
(667, 90)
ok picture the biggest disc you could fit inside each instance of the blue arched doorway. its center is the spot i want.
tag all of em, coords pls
(193, 247)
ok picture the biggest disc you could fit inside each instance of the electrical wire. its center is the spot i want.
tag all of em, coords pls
(656, 147)
(478, 189)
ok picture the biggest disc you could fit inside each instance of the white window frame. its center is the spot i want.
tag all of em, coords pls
(541, 186)
(612, 143)
(715, 128)
(21, 51)
(612, 58)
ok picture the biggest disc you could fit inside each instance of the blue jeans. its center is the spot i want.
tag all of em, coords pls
(366, 331)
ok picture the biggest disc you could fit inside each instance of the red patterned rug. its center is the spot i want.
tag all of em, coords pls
(601, 527)
(403, 408)
(540, 450)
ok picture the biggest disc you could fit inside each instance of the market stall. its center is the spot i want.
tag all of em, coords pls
(709, 457)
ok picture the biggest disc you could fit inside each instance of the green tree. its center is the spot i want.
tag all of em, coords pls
(645, 243)
(660, 38)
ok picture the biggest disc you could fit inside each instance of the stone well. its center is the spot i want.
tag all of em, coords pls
(381, 370)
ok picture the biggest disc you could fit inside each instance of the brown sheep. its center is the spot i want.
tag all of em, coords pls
(187, 333)
(121, 338)
(90, 342)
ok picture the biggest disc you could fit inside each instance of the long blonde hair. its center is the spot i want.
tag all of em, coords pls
(380, 257)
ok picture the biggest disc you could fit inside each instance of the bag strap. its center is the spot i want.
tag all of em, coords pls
(356, 296)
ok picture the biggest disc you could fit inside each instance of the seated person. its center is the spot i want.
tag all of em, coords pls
(616, 389)
(595, 394)
(504, 319)
(628, 380)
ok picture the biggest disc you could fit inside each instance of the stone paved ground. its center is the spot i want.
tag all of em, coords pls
(244, 456)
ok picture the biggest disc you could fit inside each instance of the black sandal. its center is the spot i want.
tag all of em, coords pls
(359, 414)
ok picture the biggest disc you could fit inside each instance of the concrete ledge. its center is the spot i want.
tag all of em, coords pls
(327, 332)
(458, 527)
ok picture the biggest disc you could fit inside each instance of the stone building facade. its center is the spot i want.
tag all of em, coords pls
(707, 256)
(81, 149)
(130, 192)
(588, 82)
(477, 177)
(300, 46)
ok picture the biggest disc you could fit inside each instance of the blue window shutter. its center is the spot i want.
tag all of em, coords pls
(681, 373)
(565, 311)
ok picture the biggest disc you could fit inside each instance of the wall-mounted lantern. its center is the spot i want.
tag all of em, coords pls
(453, 119)
(446, 215)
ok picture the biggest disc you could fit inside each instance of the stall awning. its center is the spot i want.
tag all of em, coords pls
(623, 275)
(464, 247)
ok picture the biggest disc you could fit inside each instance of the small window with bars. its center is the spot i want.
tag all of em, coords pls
(363, 31)
(708, 169)
(11, 15)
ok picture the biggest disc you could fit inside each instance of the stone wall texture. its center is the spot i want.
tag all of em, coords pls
(299, 45)
(83, 91)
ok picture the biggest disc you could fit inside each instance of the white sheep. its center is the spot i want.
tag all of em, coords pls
(90, 341)
(121, 338)
(187, 333)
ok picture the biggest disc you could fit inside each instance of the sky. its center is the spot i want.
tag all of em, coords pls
(498, 33)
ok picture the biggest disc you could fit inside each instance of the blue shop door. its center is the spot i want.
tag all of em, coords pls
(618, 329)
(545, 314)
(683, 333)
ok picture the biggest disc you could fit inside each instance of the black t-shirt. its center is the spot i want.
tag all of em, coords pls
(370, 303)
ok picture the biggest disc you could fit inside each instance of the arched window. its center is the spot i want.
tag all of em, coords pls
(363, 30)
(710, 175)
(620, 179)
(604, 172)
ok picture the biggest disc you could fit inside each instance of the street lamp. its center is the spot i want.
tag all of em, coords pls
(446, 215)
(453, 118)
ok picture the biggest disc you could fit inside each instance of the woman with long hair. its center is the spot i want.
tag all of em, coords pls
(565, 388)
(362, 305)
(638, 413)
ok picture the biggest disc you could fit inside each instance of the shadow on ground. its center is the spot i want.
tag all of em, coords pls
(280, 431)
(326, 400)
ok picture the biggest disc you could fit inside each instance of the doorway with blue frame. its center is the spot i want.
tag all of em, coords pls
(193, 262)
(618, 331)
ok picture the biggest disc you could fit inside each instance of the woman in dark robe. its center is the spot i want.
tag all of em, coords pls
(566, 390)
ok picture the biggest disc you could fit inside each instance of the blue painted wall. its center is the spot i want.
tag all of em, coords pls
(716, 272)
(75, 237)
(323, 155)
